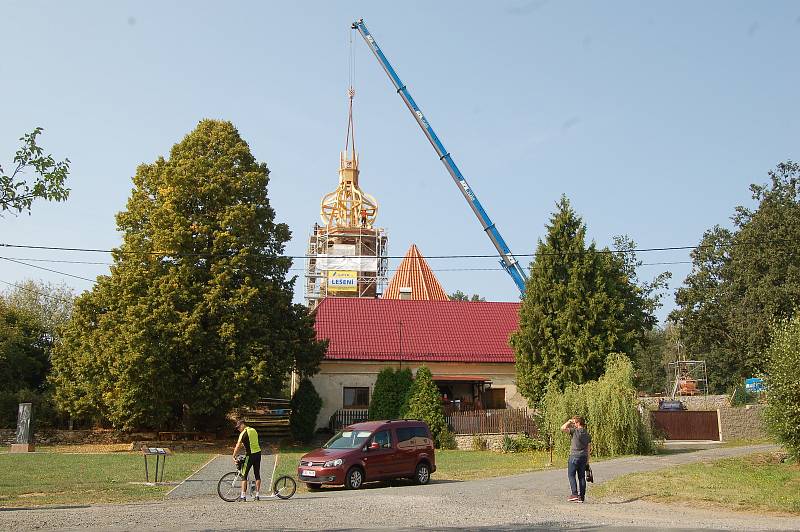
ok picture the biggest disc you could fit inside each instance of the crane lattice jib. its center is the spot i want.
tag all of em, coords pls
(508, 261)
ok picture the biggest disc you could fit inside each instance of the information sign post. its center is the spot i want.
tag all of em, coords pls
(159, 453)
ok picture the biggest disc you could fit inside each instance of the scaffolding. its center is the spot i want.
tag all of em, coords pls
(345, 262)
(688, 377)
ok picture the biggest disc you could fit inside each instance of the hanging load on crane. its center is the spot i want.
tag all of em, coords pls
(507, 259)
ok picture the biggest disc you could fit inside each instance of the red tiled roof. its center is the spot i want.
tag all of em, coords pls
(413, 272)
(432, 331)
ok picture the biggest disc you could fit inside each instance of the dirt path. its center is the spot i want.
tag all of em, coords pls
(529, 501)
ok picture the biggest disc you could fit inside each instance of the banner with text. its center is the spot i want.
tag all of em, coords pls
(342, 281)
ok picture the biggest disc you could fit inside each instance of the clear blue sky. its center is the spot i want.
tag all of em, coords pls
(653, 118)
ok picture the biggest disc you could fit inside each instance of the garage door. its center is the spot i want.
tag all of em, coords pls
(686, 424)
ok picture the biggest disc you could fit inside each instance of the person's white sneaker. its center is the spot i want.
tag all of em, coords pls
(242, 498)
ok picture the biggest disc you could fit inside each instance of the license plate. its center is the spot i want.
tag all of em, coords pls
(309, 473)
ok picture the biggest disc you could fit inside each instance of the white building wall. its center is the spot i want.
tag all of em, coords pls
(334, 375)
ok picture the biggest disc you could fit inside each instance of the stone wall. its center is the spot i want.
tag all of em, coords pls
(494, 441)
(736, 422)
(67, 437)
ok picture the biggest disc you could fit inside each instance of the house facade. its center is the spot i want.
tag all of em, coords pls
(464, 344)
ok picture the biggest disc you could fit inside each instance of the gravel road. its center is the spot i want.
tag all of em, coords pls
(521, 502)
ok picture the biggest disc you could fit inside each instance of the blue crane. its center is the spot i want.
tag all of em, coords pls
(508, 261)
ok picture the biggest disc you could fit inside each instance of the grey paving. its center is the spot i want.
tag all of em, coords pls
(204, 482)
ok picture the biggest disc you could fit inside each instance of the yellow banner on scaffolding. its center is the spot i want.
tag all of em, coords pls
(342, 281)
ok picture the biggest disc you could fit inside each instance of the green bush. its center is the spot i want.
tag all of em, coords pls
(782, 414)
(306, 404)
(447, 440)
(522, 443)
(609, 406)
(390, 393)
(425, 403)
(740, 396)
(479, 443)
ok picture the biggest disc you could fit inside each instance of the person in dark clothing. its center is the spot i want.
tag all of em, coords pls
(579, 451)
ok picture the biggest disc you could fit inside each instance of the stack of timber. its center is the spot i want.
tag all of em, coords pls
(270, 418)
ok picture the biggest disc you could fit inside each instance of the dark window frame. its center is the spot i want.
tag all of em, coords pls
(355, 397)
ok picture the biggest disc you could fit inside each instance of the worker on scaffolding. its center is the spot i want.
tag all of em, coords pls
(363, 217)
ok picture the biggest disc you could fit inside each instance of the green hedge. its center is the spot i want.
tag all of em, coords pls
(390, 393)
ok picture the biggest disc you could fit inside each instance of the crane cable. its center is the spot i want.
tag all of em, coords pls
(351, 92)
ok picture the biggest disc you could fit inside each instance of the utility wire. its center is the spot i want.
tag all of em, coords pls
(475, 256)
(48, 269)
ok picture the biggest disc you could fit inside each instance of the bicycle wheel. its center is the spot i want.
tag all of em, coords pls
(230, 486)
(284, 487)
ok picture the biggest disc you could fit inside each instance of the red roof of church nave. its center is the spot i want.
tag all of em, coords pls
(432, 331)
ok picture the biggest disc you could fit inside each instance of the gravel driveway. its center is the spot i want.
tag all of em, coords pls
(528, 501)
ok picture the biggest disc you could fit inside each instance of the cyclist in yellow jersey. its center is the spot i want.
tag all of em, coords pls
(248, 438)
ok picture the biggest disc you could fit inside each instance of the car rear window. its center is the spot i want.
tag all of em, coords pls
(405, 434)
(420, 432)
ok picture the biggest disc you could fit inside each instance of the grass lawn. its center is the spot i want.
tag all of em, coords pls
(54, 478)
(759, 482)
(471, 465)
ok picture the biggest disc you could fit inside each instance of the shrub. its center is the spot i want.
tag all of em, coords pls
(479, 443)
(609, 407)
(424, 403)
(521, 443)
(306, 404)
(390, 393)
(782, 413)
(447, 440)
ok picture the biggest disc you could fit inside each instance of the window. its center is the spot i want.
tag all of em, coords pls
(383, 439)
(421, 432)
(404, 434)
(356, 398)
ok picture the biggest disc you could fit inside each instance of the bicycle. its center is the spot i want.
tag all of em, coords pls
(230, 485)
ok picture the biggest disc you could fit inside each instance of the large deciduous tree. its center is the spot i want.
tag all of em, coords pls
(196, 315)
(18, 189)
(744, 279)
(580, 304)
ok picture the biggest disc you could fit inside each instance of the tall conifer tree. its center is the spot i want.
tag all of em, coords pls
(580, 305)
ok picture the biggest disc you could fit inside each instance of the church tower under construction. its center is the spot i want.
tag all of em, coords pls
(346, 255)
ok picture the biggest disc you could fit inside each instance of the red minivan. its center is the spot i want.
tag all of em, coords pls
(373, 450)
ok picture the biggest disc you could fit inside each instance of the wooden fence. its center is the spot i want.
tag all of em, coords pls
(508, 420)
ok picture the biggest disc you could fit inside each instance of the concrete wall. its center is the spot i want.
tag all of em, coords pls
(334, 375)
(736, 422)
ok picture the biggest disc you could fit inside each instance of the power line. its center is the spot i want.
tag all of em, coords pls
(48, 269)
(460, 256)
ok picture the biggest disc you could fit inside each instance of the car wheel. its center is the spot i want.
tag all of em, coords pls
(422, 475)
(355, 478)
(314, 487)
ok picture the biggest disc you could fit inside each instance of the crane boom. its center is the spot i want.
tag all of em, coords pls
(508, 261)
